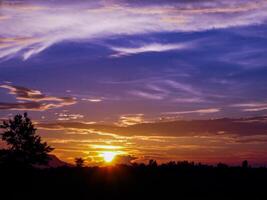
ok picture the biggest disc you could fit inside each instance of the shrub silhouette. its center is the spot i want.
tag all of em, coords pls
(79, 162)
(24, 145)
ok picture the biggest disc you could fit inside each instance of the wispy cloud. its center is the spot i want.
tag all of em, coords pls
(147, 95)
(183, 87)
(154, 47)
(252, 106)
(29, 28)
(200, 111)
(93, 100)
(189, 100)
(169, 90)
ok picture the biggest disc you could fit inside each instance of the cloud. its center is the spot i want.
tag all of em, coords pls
(248, 57)
(200, 111)
(29, 99)
(23, 93)
(169, 90)
(131, 119)
(255, 109)
(68, 116)
(20, 5)
(147, 95)
(106, 147)
(254, 139)
(252, 107)
(189, 100)
(199, 140)
(154, 47)
(124, 159)
(32, 27)
(93, 100)
(178, 128)
(183, 87)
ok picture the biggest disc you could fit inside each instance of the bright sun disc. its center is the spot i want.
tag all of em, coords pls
(108, 156)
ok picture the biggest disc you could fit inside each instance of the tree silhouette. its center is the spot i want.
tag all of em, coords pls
(24, 145)
(79, 162)
(245, 164)
(152, 163)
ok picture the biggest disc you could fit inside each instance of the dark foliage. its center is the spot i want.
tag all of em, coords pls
(25, 147)
(173, 180)
(79, 162)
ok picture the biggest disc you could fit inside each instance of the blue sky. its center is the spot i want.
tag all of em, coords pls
(125, 62)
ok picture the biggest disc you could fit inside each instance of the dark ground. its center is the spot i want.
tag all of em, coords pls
(135, 182)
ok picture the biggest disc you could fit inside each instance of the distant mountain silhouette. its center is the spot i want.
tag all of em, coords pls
(54, 162)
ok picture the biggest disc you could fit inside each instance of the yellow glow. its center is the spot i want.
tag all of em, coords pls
(108, 156)
(106, 147)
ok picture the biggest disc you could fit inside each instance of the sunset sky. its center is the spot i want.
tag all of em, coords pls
(142, 79)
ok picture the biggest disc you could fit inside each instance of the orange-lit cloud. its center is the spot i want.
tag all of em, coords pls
(210, 141)
(177, 128)
(131, 119)
(29, 99)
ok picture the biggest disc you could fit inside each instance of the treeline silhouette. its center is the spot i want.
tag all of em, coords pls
(21, 178)
(182, 180)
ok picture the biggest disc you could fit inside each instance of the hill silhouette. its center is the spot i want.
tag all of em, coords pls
(54, 162)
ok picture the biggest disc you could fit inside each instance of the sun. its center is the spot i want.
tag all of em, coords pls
(108, 156)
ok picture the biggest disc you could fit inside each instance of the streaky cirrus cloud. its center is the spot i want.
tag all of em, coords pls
(171, 90)
(29, 27)
(147, 95)
(183, 87)
(199, 111)
(93, 100)
(252, 106)
(28, 99)
(154, 47)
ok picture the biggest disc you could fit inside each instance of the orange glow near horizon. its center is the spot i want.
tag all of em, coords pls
(162, 141)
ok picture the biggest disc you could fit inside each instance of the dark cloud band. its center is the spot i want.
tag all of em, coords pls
(29, 99)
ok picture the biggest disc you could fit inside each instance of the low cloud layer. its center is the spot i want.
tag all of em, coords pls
(238, 127)
(208, 141)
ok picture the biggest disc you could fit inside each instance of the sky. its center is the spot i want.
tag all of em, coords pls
(165, 80)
